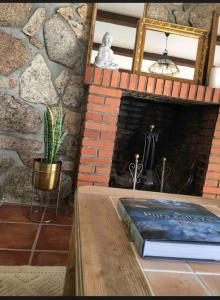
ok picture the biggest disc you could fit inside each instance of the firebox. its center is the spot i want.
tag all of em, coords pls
(183, 134)
(121, 107)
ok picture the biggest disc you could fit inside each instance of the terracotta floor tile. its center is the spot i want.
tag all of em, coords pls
(37, 214)
(53, 237)
(17, 236)
(161, 264)
(64, 217)
(212, 282)
(14, 258)
(49, 259)
(206, 267)
(175, 284)
(157, 264)
(14, 213)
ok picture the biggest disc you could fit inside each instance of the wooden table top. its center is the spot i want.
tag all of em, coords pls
(103, 260)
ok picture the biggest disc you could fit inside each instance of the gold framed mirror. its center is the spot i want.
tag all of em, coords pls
(168, 50)
(213, 66)
(122, 24)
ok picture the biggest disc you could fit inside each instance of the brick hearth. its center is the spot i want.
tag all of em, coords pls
(105, 89)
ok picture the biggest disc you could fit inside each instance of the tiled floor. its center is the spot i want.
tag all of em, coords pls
(23, 242)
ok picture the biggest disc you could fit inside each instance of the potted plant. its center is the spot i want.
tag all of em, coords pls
(47, 170)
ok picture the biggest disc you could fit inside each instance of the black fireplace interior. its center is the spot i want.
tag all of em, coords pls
(184, 133)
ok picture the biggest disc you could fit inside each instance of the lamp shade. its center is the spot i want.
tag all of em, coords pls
(214, 79)
(164, 66)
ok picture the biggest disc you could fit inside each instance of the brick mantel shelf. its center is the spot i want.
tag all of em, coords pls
(104, 96)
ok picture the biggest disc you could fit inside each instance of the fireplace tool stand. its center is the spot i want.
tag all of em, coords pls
(162, 172)
(150, 140)
(135, 170)
(143, 172)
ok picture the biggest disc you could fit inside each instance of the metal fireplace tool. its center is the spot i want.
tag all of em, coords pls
(143, 171)
(136, 171)
(162, 172)
(150, 140)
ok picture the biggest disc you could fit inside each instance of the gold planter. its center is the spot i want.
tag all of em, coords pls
(46, 177)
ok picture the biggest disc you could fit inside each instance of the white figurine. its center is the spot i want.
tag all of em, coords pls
(104, 58)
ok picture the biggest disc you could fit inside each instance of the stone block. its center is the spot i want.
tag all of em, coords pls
(159, 11)
(69, 148)
(74, 92)
(200, 16)
(62, 43)
(35, 21)
(85, 11)
(68, 13)
(13, 53)
(8, 142)
(61, 81)
(14, 14)
(6, 162)
(72, 122)
(18, 116)
(36, 84)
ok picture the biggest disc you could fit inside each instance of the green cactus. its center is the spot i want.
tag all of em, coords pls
(53, 132)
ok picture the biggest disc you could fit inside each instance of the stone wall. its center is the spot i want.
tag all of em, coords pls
(42, 59)
(189, 14)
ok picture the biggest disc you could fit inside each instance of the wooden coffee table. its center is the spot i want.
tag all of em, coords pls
(103, 260)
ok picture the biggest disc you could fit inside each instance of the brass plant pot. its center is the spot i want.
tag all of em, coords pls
(46, 177)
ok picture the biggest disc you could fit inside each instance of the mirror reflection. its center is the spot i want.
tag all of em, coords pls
(121, 24)
(169, 54)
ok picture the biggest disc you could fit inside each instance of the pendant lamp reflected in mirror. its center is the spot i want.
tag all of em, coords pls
(164, 65)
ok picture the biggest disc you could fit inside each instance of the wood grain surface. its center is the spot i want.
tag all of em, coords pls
(106, 254)
(102, 261)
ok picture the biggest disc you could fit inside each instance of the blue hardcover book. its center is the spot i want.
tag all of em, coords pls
(171, 229)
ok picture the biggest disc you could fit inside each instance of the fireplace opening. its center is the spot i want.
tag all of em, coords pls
(173, 141)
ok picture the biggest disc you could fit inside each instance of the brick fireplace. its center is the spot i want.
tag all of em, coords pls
(106, 91)
(185, 133)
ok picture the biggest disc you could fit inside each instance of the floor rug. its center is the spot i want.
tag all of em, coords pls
(31, 280)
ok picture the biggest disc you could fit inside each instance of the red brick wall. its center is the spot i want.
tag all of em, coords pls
(104, 94)
(99, 135)
(211, 187)
(146, 84)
